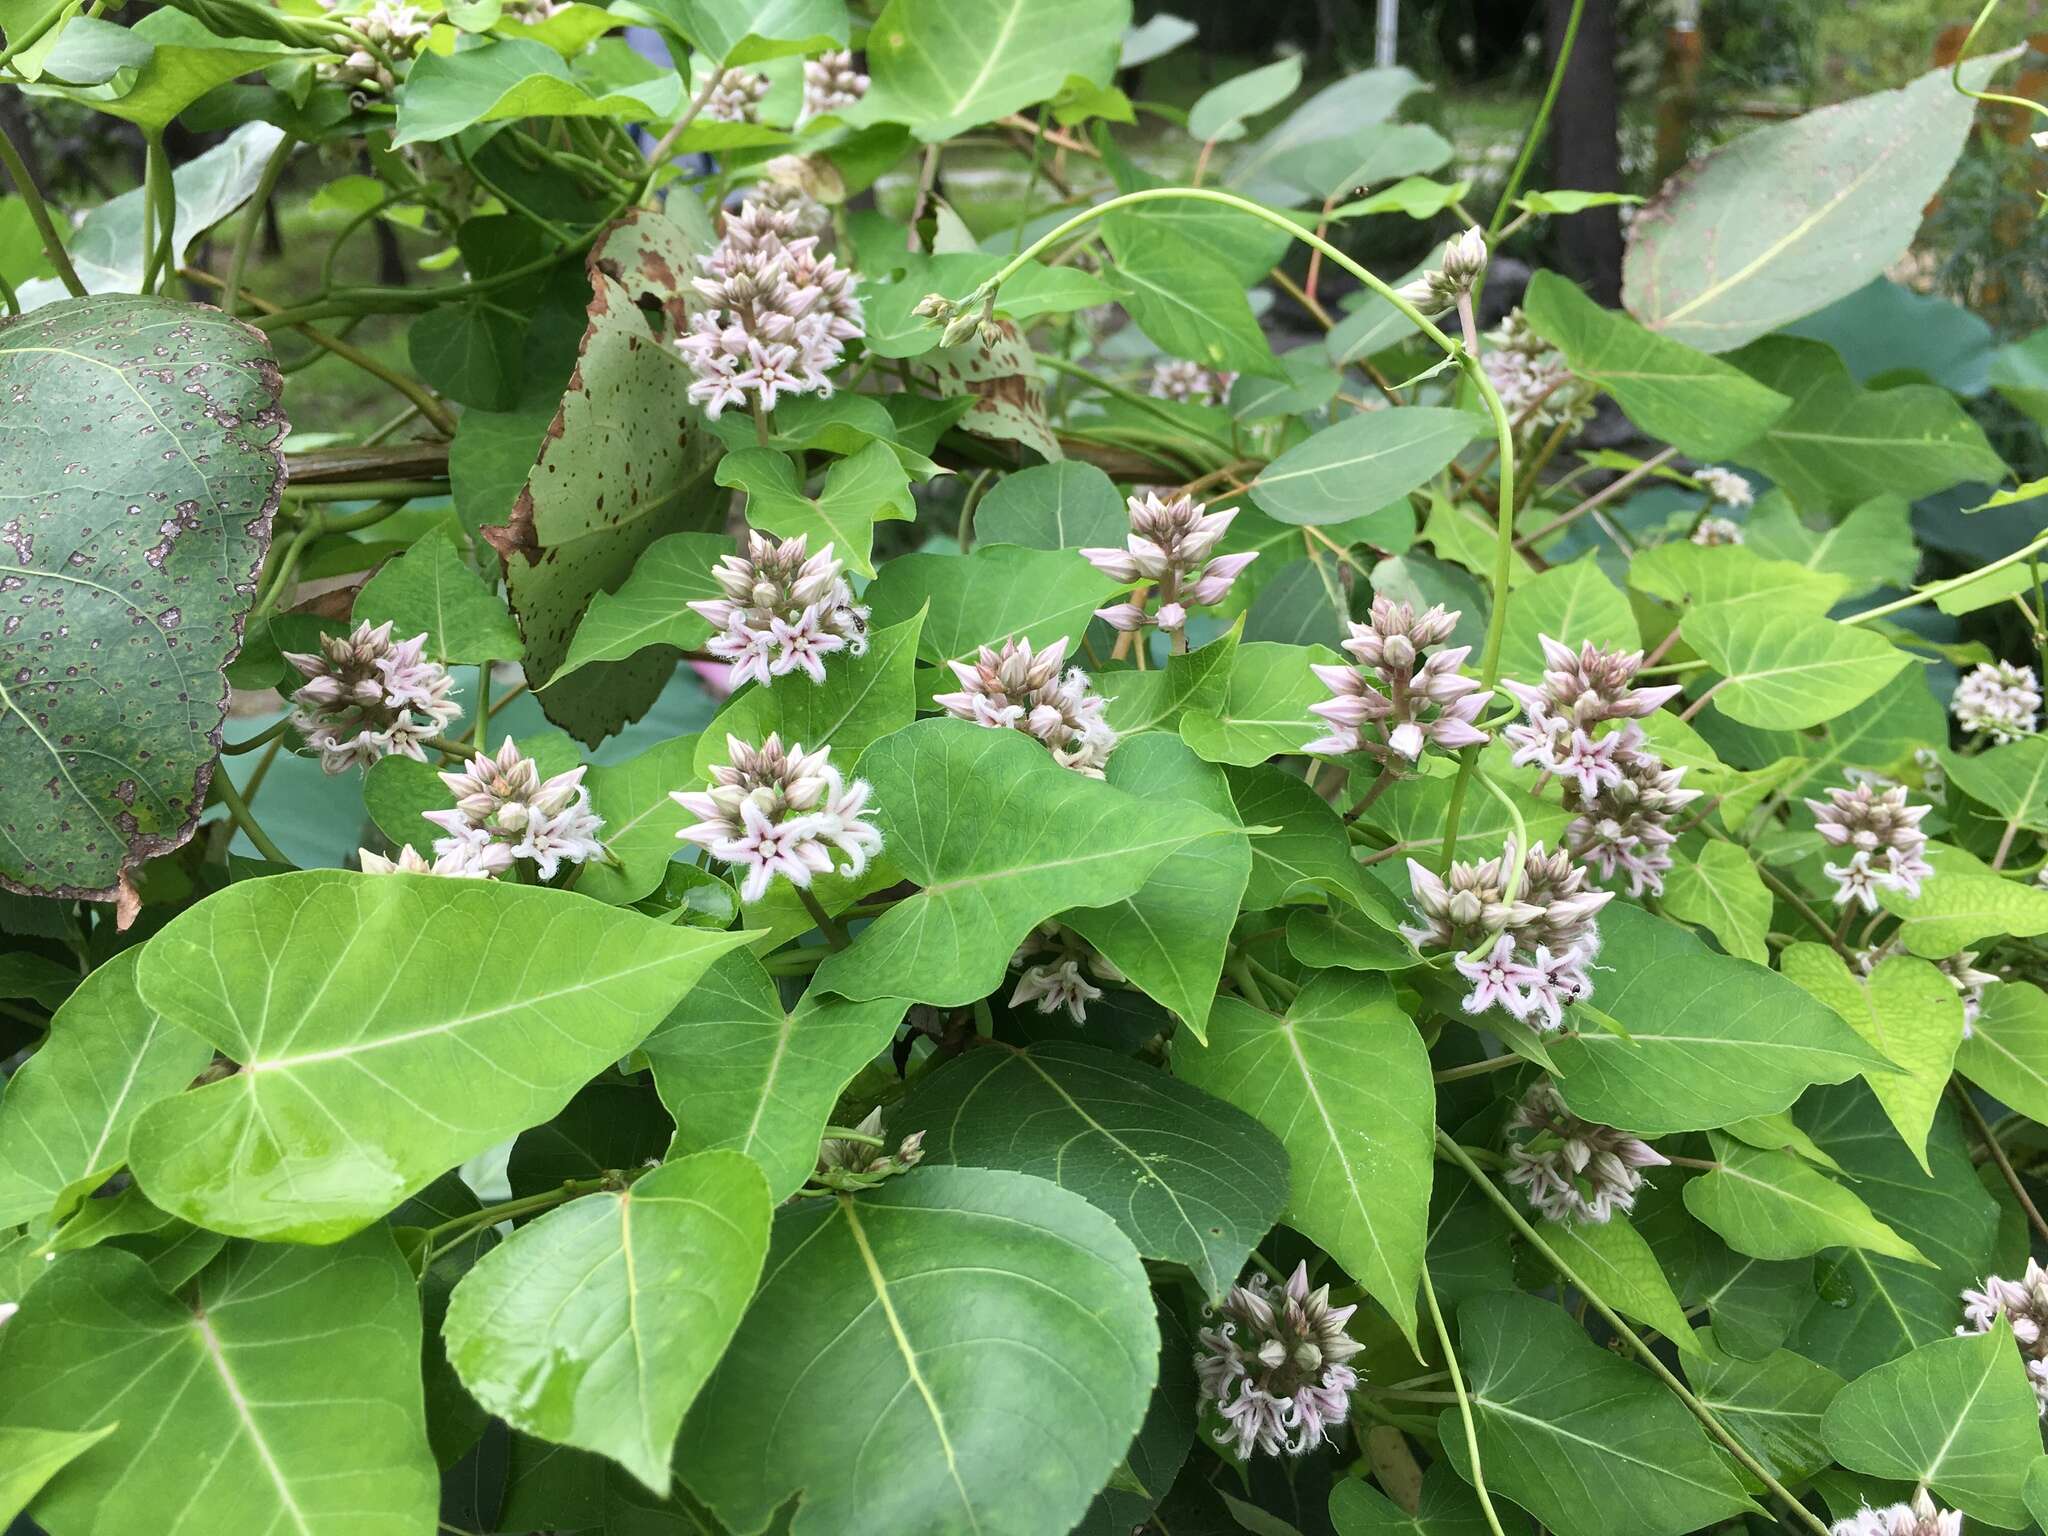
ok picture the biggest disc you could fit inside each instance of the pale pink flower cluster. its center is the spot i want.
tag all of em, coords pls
(782, 610)
(1714, 532)
(1175, 378)
(1573, 1170)
(736, 98)
(1172, 545)
(2025, 1304)
(771, 812)
(1052, 960)
(367, 697)
(1581, 690)
(465, 862)
(1921, 1517)
(1999, 700)
(1276, 1365)
(778, 315)
(505, 811)
(1883, 838)
(1725, 486)
(1013, 689)
(1624, 825)
(1530, 941)
(1426, 699)
(831, 82)
(395, 30)
(1535, 385)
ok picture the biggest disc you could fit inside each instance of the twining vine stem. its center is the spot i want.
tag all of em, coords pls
(1443, 1338)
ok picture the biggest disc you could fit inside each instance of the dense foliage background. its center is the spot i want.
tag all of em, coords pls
(994, 766)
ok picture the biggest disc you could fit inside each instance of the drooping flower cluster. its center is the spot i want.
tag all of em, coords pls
(1171, 544)
(1999, 700)
(1573, 1170)
(505, 811)
(736, 98)
(2025, 1304)
(1420, 700)
(1052, 959)
(1536, 386)
(1176, 378)
(772, 811)
(783, 610)
(1714, 532)
(1921, 1517)
(1625, 825)
(1580, 691)
(1463, 265)
(391, 31)
(367, 697)
(1013, 689)
(831, 82)
(1276, 1366)
(778, 318)
(1883, 838)
(1725, 486)
(467, 862)
(1532, 946)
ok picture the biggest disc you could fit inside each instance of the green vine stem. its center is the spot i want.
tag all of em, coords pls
(239, 814)
(259, 204)
(1443, 1338)
(1536, 128)
(1449, 1147)
(39, 215)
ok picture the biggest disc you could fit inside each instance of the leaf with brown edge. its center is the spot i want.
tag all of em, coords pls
(624, 462)
(139, 473)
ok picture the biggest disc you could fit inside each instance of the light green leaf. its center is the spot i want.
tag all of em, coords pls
(1364, 461)
(737, 1070)
(1337, 112)
(862, 699)
(1842, 444)
(1908, 1011)
(1571, 202)
(1311, 384)
(1343, 1081)
(1376, 152)
(1962, 902)
(1786, 219)
(1786, 671)
(225, 1394)
(1169, 937)
(640, 820)
(595, 1324)
(926, 1311)
(347, 1103)
(999, 838)
(185, 60)
(1570, 603)
(1587, 1443)
(944, 66)
(430, 588)
(858, 492)
(1719, 889)
(515, 77)
(1872, 546)
(652, 606)
(2006, 1053)
(1772, 1205)
(29, 1458)
(1187, 303)
(1710, 1038)
(731, 32)
(152, 610)
(1346, 938)
(1303, 853)
(1697, 403)
(985, 597)
(1190, 1179)
(1618, 1266)
(1220, 111)
(1956, 1414)
(1068, 505)
(69, 1110)
(1416, 196)
(1156, 700)
(2011, 780)
(1265, 710)
(1772, 1405)
(1731, 575)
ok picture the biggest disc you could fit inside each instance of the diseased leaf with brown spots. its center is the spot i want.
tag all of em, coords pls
(625, 461)
(139, 472)
(1009, 396)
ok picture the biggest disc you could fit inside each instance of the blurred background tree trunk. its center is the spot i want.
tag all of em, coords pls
(1585, 145)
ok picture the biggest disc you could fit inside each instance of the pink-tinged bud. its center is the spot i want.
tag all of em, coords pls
(1116, 564)
(1171, 617)
(1122, 616)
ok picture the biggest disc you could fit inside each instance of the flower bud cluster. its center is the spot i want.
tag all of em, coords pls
(1276, 1365)
(861, 1161)
(1172, 545)
(778, 314)
(1421, 699)
(799, 187)
(1921, 1516)
(391, 31)
(782, 611)
(1882, 835)
(1571, 1169)
(1013, 689)
(736, 98)
(1538, 389)
(831, 82)
(1580, 691)
(504, 811)
(772, 811)
(1052, 959)
(1175, 378)
(1713, 532)
(1999, 700)
(1463, 265)
(2025, 1304)
(1725, 486)
(367, 697)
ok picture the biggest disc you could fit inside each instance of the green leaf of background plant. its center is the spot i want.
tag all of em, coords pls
(1956, 1414)
(1731, 575)
(1772, 1405)
(514, 77)
(595, 1324)
(640, 820)
(998, 837)
(346, 1104)
(985, 597)
(1619, 1267)
(651, 607)
(734, 32)
(1719, 889)
(1220, 111)
(1185, 302)
(1571, 603)
(1067, 505)
(1586, 1442)
(857, 493)
(1772, 1205)
(1364, 461)
(225, 1396)
(1190, 1179)
(1343, 1081)
(31, 1457)
(927, 1309)
(1265, 709)
(1872, 546)
(151, 607)
(1785, 671)
(2006, 1053)
(1964, 901)
(429, 588)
